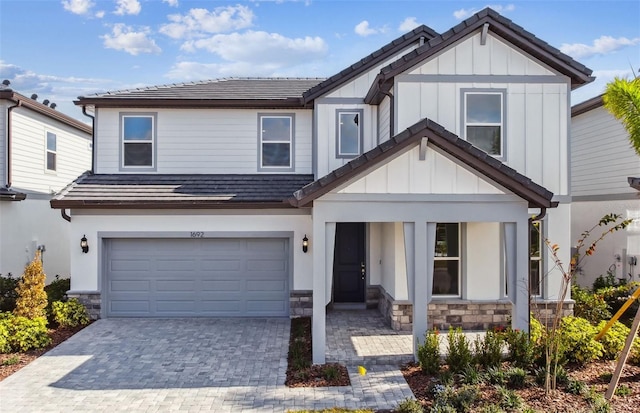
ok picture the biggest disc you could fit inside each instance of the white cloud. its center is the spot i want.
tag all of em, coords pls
(128, 7)
(601, 45)
(199, 22)
(172, 3)
(363, 29)
(194, 71)
(464, 13)
(127, 39)
(77, 6)
(261, 48)
(408, 24)
(100, 14)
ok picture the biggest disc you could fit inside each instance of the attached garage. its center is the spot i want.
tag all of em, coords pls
(202, 277)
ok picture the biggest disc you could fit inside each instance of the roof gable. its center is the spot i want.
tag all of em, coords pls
(445, 141)
(498, 25)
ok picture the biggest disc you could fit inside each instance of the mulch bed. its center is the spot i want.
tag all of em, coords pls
(12, 362)
(330, 374)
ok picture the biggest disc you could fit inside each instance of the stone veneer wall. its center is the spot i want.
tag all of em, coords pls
(545, 310)
(300, 303)
(91, 301)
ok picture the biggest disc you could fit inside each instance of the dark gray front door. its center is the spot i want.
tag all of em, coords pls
(231, 277)
(349, 272)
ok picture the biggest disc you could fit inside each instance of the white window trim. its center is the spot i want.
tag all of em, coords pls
(360, 113)
(540, 259)
(153, 141)
(503, 113)
(276, 168)
(47, 151)
(458, 258)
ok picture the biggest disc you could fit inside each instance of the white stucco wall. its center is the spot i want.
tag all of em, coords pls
(85, 268)
(557, 229)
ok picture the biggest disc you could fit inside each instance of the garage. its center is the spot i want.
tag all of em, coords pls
(215, 277)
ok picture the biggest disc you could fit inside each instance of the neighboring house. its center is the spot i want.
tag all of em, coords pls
(41, 151)
(603, 168)
(405, 181)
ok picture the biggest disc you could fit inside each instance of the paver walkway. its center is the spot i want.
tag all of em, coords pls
(185, 365)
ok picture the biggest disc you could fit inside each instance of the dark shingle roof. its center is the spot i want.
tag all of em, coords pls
(369, 61)
(499, 25)
(485, 164)
(239, 90)
(8, 194)
(179, 191)
(634, 182)
(587, 105)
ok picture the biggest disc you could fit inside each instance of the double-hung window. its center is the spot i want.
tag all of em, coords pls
(138, 140)
(446, 271)
(535, 258)
(349, 133)
(483, 119)
(52, 153)
(276, 142)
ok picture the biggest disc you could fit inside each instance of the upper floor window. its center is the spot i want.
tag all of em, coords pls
(276, 142)
(446, 262)
(51, 152)
(138, 140)
(349, 133)
(484, 120)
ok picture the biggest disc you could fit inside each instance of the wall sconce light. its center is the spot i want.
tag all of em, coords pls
(84, 244)
(305, 243)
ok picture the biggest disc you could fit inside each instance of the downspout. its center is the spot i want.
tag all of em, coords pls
(93, 141)
(391, 113)
(9, 142)
(65, 215)
(542, 214)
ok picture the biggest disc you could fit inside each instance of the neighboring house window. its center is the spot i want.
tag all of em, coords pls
(138, 140)
(348, 133)
(535, 257)
(52, 153)
(276, 142)
(446, 272)
(484, 121)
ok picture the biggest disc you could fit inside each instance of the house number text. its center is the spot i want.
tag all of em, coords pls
(197, 234)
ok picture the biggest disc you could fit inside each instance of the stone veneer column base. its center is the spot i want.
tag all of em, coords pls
(545, 310)
(301, 303)
(90, 300)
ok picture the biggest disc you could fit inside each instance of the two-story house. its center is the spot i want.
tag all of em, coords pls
(41, 151)
(407, 182)
(603, 169)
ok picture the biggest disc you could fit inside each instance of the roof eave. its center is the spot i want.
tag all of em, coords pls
(287, 103)
(587, 105)
(99, 204)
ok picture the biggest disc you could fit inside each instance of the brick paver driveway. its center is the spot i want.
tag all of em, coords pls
(157, 365)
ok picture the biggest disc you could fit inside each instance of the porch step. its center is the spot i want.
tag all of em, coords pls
(391, 360)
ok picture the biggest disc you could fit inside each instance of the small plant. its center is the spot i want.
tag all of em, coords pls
(8, 293)
(446, 378)
(409, 406)
(459, 355)
(488, 350)
(32, 300)
(495, 375)
(521, 348)
(70, 314)
(465, 397)
(19, 333)
(472, 375)
(330, 372)
(606, 376)
(588, 305)
(11, 361)
(623, 390)
(491, 408)
(576, 341)
(561, 376)
(429, 352)
(597, 401)
(509, 399)
(576, 387)
(516, 377)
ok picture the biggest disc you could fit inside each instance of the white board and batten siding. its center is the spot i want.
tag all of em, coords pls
(536, 110)
(29, 152)
(384, 120)
(601, 155)
(3, 142)
(202, 141)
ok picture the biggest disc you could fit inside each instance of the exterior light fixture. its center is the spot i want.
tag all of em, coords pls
(305, 243)
(84, 244)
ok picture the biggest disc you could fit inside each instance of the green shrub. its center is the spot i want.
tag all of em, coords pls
(576, 387)
(32, 300)
(448, 399)
(472, 375)
(623, 390)
(613, 340)
(8, 293)
(536, 330)
(616, 296)
(13, 360)
(521, 349)
(459, 355)
(496, 375)
(577, 342)
(604, 281)
(409, 406)
(516, 377)
(509, 399)
(562, 377)
(488, 350)
(70, 313)
(23, 333)
(588, 305)
(330, 372)
(429, 352)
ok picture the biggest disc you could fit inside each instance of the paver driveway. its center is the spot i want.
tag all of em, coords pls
(156, 365)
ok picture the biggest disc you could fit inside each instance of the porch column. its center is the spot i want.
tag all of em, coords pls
(517, 253)
(324, 234)
(424, 250)
(409, 254)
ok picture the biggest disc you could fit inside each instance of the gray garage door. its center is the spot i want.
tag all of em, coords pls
(197, 277)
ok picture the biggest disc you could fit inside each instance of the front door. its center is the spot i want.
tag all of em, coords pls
(349, 263)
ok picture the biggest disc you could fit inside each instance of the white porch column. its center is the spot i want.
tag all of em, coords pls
(424, 250)
(409, 254)
(324, 241)
(516, 236)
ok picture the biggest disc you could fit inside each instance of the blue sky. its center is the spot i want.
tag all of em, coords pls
(61, 49)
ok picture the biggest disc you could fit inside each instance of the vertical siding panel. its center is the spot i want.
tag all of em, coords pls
(464, 58)
(516, 135)
(419, 172)
(481, 56)
(447, 96)
(408, 102)
(534, 143)
(397, 173)
(551, 139)
(446, 63)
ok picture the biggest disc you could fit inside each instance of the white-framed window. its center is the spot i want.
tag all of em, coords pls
(52, 152)
(484, 120)
(275, 142)
(446, 262)
(348, 133)
(535, 258)
(138, 136)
